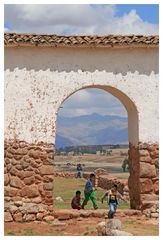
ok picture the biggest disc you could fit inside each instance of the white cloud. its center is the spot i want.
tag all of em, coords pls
(91, 101)
(75, 19)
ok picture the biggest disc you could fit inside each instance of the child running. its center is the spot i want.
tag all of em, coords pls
(112, 199)
(88, 192)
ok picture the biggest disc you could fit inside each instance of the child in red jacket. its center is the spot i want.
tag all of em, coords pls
(75, 203)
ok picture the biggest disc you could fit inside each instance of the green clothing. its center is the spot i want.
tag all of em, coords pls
(87, 197)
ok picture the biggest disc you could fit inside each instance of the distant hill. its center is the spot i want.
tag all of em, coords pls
(91, 129)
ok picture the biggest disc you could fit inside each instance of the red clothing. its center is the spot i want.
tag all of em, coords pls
(75, 203)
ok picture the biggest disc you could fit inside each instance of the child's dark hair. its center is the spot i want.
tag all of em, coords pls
(115, 185)
(78, 192)
(92, 175)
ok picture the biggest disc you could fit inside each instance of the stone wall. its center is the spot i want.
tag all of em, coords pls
(29, 175)
(107, 181)
(144, 175)
(149, 172)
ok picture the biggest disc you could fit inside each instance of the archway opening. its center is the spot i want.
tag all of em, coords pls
(96, 136)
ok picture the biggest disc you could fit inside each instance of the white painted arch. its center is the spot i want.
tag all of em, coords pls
(133, 128)
(39, 79)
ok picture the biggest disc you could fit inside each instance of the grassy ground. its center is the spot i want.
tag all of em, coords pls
(66, 188)
(112, 164)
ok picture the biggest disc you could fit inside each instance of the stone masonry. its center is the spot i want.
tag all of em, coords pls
(29, 175)
(144, 175)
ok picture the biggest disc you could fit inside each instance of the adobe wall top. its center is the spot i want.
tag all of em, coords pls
(125, 41)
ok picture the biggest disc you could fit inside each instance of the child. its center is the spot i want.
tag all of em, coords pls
(88, 192)
(112, 198)
(79, 171)
(75, 203)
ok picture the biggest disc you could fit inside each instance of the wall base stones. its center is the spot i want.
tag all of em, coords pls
(149, 173)
(144, 175)
(29, 175)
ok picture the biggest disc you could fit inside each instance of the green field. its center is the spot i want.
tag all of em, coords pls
(66, 188)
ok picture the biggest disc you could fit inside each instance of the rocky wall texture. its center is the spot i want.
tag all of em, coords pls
(28, 179)
(107, 181)
(144, 175)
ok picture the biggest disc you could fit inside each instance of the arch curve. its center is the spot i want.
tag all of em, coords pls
(133, 132)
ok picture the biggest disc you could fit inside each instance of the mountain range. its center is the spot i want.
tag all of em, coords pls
(94, 129)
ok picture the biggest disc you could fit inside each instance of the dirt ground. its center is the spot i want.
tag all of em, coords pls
(80, 227)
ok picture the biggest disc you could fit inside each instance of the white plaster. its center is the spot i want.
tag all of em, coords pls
(39, 79)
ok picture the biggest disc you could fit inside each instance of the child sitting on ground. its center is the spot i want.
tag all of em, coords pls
(75, 203)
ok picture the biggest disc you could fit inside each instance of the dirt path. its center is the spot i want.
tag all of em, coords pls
(80, 227)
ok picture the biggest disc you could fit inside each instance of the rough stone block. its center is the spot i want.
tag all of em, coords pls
(146, 185)
(13, 171)
(16, 182)
(8, 217)
(143, 153)
(156, 187)
(10, 192)
(18, 217)
(6, 179)
(37, 154)
(8, 155)
(145, 159)
(18, 203)
(29, 180)
(18, 157)
(24, 164)
(154, 154)
(31, 207)
(40, 216)
(13, 208)
(30, 191)
(152, 148)
(37, 200)
(19, 167)
(147, 170)
(29, 217)
(48, 218)
(149, 197)
(21, 151)
(28, 174)
(155, 215)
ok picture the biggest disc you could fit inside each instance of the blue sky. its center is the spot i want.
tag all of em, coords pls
(148, 12)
